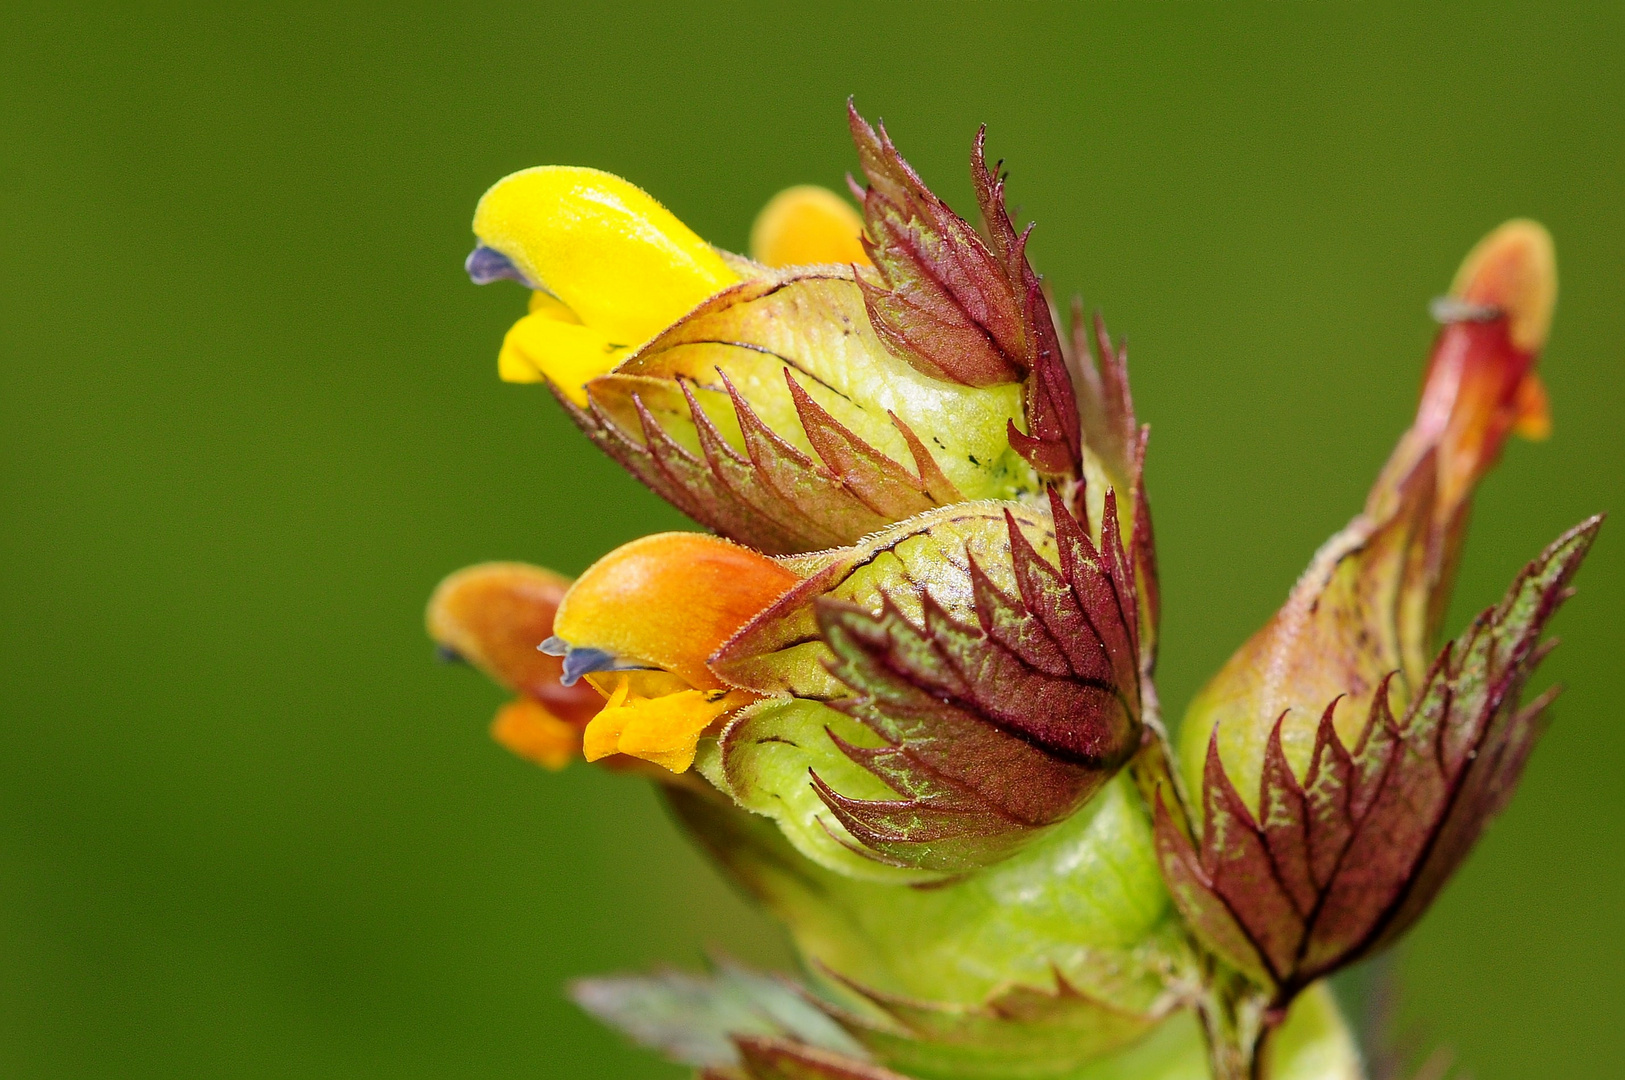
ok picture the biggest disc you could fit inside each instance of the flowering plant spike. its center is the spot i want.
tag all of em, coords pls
(903, 689)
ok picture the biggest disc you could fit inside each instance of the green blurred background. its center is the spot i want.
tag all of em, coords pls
(249, 414)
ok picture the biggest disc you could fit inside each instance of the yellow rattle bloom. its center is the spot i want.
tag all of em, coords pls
(612, 268)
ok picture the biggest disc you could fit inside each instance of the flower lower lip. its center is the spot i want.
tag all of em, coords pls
(485, 265)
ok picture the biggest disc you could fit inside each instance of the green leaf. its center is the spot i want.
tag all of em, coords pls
(691, 1018)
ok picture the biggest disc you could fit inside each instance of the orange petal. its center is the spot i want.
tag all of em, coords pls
(1475, 390)
(1483, 366)
(529, 730)
(1534, 409)
(670, 600)
(1514, 268)
(494, 615)
(807, 225)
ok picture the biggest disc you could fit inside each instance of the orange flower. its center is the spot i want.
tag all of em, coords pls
(1374, 597)
(641, 623)
(493, 615)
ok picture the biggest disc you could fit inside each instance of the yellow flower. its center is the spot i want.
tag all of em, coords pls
(611, 267)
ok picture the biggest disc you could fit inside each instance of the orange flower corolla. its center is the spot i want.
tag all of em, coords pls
(641, 624)
(493, 615)
(1481, 384)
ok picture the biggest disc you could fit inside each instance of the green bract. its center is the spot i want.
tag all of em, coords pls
(987, 653)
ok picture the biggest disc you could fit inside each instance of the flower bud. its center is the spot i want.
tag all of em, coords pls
(927, 701)
(939, 694)
(804, 408)
(1337, 860)
(807, 225)
(1372, 600)
(773, 414)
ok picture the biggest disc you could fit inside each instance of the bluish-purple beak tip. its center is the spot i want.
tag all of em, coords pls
(485, 265)
(578, 662)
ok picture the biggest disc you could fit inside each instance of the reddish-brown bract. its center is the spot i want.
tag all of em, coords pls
(959, 307)
(1343, 861)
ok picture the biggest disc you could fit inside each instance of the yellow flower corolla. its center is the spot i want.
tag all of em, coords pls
(807, 225)
(616, 268)
(551, 343)
(650, 614)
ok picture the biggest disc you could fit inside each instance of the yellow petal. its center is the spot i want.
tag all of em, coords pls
(552, 307)
(528, 729)
(645, 682)
(670, 600)
(664, 730)
(540, 346)
(603, 734)
(1514, 268)
(806, 225)
(618, 259)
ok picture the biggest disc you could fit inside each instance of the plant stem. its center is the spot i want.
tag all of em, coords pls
(1236, 1017)
(1237, 1023)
